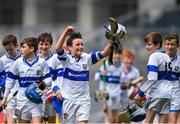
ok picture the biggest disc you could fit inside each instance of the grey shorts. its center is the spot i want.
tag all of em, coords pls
(159, 105)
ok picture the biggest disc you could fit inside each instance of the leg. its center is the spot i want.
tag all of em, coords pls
(51, 119)
(9, 116)
(114, 116)
(36, 120)
(178, 118)
(24, 121)
(51, 113)
(107, 115)
(82, 122)
(150, 116)
(164, 114)
(82, 111)
(173, 116)
(163, 118)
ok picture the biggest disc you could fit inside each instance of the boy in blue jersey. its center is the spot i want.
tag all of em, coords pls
(75, 87)
(12, 54)
(29, 69)
(171, 45)
(45, 42)
(157, 85)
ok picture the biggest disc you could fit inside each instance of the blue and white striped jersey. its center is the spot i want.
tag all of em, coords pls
(28, 72)
(111, 79)
(2, 74)
(76, 76)
(159, 68)
(8, 61)
(56, 69)
(132, 74)
(175, 75)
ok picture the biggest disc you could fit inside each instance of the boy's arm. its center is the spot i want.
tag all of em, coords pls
(63, 37)
(12, 75)
(105, 52)
(147, 85)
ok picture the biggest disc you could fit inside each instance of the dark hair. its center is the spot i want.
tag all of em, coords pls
(31, 42)
(155, 37)
(8, 39)
(45, 37)
(74, 35)
(172, 36)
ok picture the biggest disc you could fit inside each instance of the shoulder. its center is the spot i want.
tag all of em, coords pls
(178, 57)
(135, 69)
(3, 58)
(158, 55)
(20, 59)
(86, 54)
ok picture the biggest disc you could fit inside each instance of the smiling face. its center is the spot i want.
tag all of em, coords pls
(171, 47)
(153, 42)
(44, 47)
(77, 47)
(151, 47)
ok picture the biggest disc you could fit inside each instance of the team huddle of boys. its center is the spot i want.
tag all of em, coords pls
(35, 82)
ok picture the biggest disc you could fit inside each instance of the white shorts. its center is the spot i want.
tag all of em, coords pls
(175, 100)
(76, 110)
(159, 105)
(29, 110)
(114, 102)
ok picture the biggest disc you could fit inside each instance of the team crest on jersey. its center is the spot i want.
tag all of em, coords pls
(176, 68)
(38, 72)
(65, 116)
(84, 66)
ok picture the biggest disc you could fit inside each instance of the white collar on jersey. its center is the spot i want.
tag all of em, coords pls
(48, 56)
(77, 59)
(31, 62)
